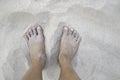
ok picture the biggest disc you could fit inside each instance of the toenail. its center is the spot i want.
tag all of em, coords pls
(71, 29)
(65, 28)
(38, 27)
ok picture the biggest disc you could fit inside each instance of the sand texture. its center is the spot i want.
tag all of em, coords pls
(98, 22)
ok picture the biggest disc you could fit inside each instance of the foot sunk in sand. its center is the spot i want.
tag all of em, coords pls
(35, 40)
(69, 44)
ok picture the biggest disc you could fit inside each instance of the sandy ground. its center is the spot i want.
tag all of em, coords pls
(98, 22)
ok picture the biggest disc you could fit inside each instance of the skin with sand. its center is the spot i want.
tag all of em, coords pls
(36, 42)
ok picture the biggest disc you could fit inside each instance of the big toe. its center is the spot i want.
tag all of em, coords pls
(40, 31)
(65, 31)
(70, 31)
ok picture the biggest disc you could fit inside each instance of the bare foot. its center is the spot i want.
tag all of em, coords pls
(69, 44)
(35, 40)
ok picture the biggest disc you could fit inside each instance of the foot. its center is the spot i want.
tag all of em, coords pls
(69, 44)
(36, 43)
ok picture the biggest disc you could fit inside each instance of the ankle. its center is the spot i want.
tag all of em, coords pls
(38, 61)
(38, 67)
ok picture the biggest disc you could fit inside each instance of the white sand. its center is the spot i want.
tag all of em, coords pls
(98, 21)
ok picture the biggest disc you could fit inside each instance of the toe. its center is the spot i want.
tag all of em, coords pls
(74, 33)
(65, 31)
(79, 39)
(39, 30)
(30, 32)
(77, 36)
(34, 31)
(71, 31)
(26, 37)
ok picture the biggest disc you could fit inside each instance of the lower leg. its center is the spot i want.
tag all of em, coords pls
(35, 40)
(34, 72)
(67, 71)
(69, 44)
